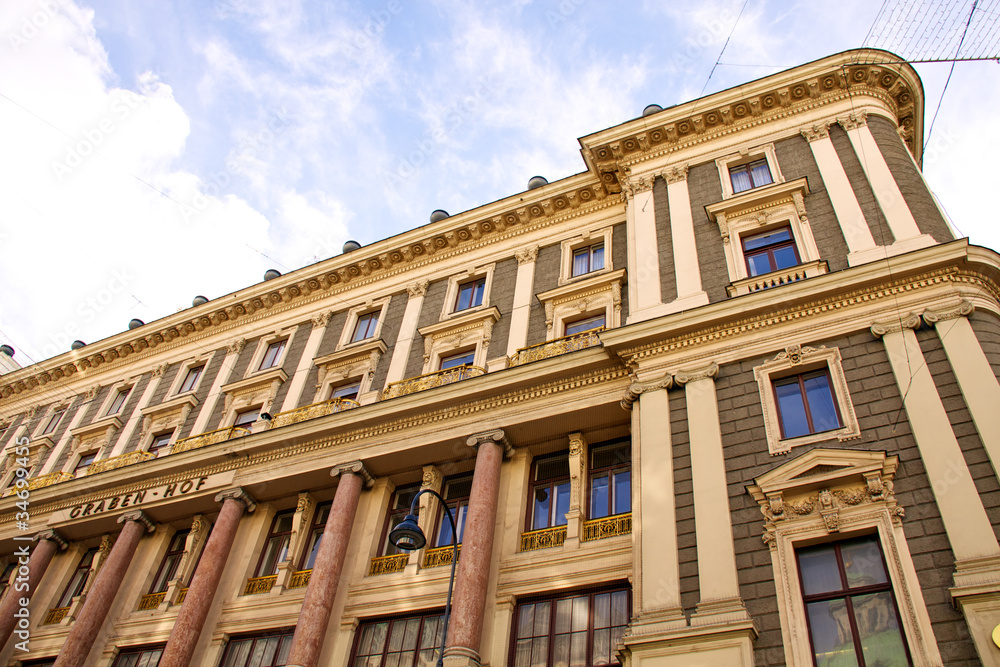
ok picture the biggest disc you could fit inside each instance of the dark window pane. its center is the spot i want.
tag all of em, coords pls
(791, 409)
(767, 239)
(541, 509)
(760, 174)
(552, 468)
(785, 258)
(833, 641)
(878, 629)
(759, 264)
(599, 497)
(623, 493)
(562, 504)
(821, 405)
(863, 562)
(820, 573)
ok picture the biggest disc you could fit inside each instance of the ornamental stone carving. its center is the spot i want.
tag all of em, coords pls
(909, 321)
(676, 174)
(816, 132)
(321, 319)
(355, 468)
(496, 435)
(637, 388)
(52, 536)
(239, 495)
(418, 288)
(854, 120)
(526, 255)
(139, 517)
(236, 346)
(963, 309)
(707, 372)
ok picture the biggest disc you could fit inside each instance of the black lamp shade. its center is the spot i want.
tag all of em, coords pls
(407, 536)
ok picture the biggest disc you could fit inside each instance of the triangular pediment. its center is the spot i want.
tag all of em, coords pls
(824, 467)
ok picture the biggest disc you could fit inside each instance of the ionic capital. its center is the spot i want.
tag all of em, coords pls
(355, 468)
(963, 309)
(910, 321)
(496, 436)
(52, 536)
(816, 132)
(703, 373)
(239, 495)
(139, 517)
(636, 389)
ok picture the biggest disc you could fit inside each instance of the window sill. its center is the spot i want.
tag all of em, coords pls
(765, 281)
(583, 276)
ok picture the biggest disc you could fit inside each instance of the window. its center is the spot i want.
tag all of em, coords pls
(610, 479)
(550, 487)
(119, 402)
(139, 657)
(456, 492)
(171, 559)
(276, 548)
(78, 580)
(470, 294)
(8, 571)
(413, 641)
(41, 662)
(769, 251)
(247, 417)
(805, 404)
(460, 359)
(589, 259)
(262, 650)
(588, 324)
(273, 355)
(582, 629)
(160, 442)
(850, 607)
(399, 507)
(85, 460)
(191, 379)
(346, 391)
(316, 535)
(751, 175)
(53, 422)
(365, 328)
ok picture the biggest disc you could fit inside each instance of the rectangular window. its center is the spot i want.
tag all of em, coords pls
(160, 441)
(456, 492)
(588, 324)
(460, 359)
(171, 559)
(470, 294)
(85, 460)
(749, 176)
(53, 422)
(399, 506)
(276, 548)
(550, 488)
(346, 391)
(806, 404)
(770, 251)
(247, 417)
(365, 328)
(850, 607)
(273, 355)
(413, 641)
(316, 535)
(588, 260)
(119, 402)
(582, 629)
(610, 479)
(148, 656)
(8, 572)
(78, 580)
(191, 379)
(263, 650)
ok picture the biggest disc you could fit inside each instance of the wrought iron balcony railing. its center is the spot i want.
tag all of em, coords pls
(300, 579)
(312, 411)
(543, 539)
(209, 438)
(612, 526)
(388, 564)
(119, 462)
(440, 556)
(431, 380)
(554, 348)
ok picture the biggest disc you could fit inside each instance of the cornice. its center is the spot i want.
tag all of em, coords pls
(352, 353)
(471, 320)
(258, 379)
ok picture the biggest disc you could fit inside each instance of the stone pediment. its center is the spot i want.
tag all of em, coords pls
(96, 434)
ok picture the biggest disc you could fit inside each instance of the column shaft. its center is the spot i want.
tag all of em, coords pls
(407, 329)
(311, 628)
(191, 618)
(298, 381)
(37, 564)
(523, 293)
(687, 271)
(95, 610)
(644, 259)
(466, 626)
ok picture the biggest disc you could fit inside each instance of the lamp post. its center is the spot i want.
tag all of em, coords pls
(407, 536)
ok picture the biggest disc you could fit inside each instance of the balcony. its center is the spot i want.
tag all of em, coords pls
(300, 579)
(792, 274)
(181, 594)
(388, 564)
(210, 438)
(439, 556)
(543, 539)
(554, 348)
(55, 615)
(612, 526)
(151, 601)
(258, 585)
(431, 380)
(313, 411)
(49, 479)
(119, 462)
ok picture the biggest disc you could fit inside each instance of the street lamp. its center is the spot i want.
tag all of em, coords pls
(407, 536)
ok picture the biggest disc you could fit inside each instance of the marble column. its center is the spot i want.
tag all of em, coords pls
(30, 572)
(95, 610)
(468, 605)
(314, 617)
(191, 618)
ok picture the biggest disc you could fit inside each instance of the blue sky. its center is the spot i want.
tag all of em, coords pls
(152, 151)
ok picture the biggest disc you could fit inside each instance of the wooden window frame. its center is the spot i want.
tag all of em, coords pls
(172, 566)
(454, 504)
(53, 423)
(552, 484)
(316, 529)
(823, 371)
(285, 536)
(589, 252)
(191, 383)
(434, 646)
(284, 635)
(472, 286)
(280, 345)
(75, 584)
(616, 467)
(385, 549)
(119, 401)
(567, 325)
(368, 323)
(769, 250)
(129, 651)
(747, 167)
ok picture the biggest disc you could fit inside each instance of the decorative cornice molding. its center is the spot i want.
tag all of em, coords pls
(52, 536)
(355, 468)
(908, 321)
(139, 517)
(704, 373)
(239, 495)
(496, 436)
(636, 389)
(963, 309)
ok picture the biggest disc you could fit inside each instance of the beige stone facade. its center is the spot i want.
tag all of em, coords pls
(727, 397)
